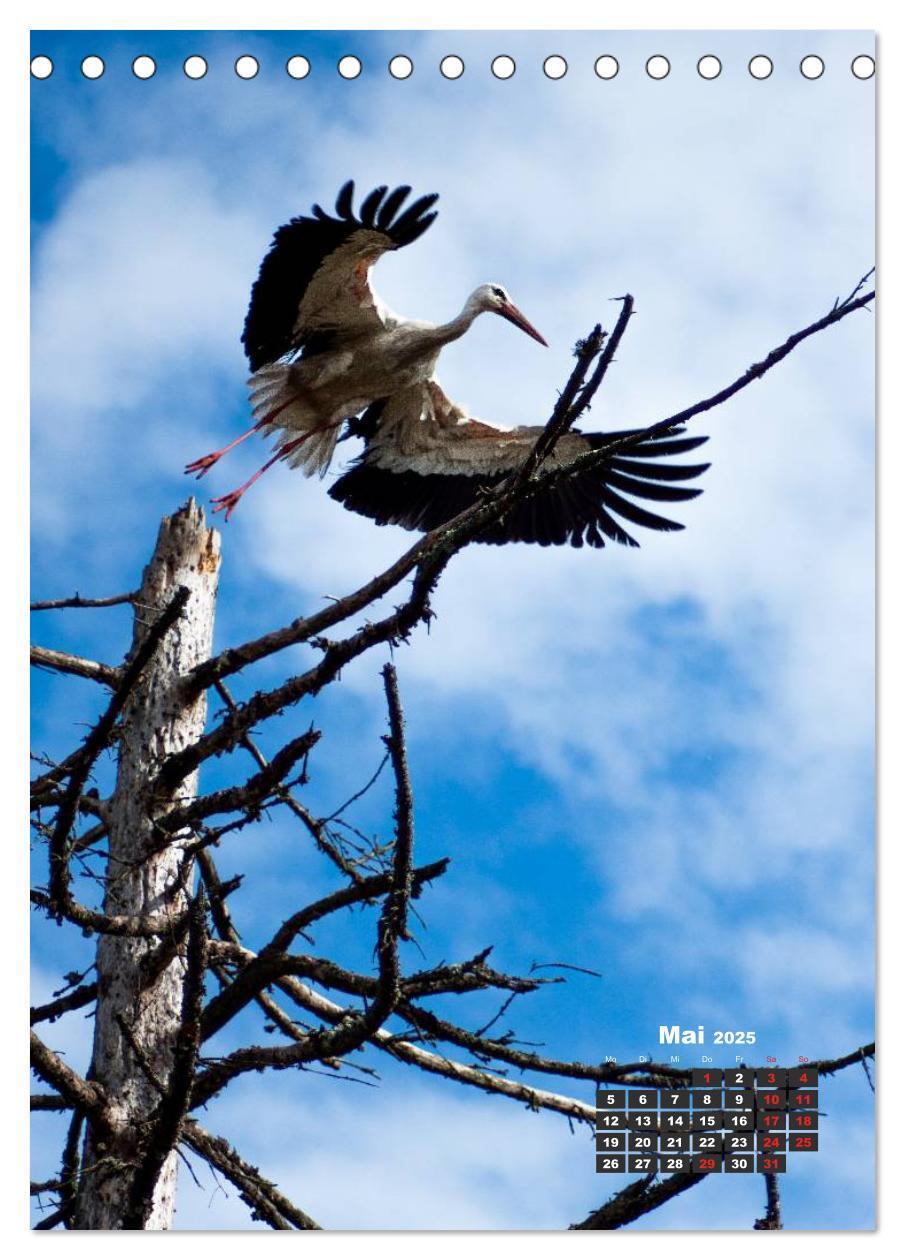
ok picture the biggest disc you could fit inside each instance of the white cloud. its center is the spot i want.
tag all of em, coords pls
(426, 1158)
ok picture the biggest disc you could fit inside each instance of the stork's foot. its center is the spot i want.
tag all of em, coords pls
(228, 502)
(200, 466)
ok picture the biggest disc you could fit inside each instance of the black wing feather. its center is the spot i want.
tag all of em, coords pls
(391, 206)
(579, 509)
(370, 205)
(300, 246)
(344, 200)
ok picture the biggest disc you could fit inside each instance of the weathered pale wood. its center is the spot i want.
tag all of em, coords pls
(156, 723)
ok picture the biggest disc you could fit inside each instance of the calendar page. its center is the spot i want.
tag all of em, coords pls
(453, 621)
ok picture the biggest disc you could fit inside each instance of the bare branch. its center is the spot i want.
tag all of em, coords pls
(66, 663)
(85, 1096)
(316, 827)
(262, 1196)
(49, 1102)
(828, 1067)
(772, 1218)
(395, 922)
(76, 601)
(638, 1199)
(245, 796)
(70, 1166)
(72, 1001)
(271, 963)
(440, 1065)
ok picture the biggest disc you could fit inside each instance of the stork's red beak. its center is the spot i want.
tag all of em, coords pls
(511, 312)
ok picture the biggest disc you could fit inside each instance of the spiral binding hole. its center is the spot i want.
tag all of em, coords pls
(92, 67)
(760, 67)
(349, 67)
(144, 67)
(298, 67)
(194, 67)
(400, 67)
(246, 67)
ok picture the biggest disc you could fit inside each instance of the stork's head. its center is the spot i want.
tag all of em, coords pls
(493, 297)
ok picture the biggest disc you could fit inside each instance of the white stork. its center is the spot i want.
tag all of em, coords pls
(325, 351)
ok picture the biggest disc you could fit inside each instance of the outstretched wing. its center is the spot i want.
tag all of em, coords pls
(313, 286)
(420, 476)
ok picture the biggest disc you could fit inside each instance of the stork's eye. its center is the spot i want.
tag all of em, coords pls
(498, 292)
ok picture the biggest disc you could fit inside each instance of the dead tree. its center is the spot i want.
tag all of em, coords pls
(171, 967)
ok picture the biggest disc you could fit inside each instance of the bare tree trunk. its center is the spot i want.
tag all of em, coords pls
(139, 1000)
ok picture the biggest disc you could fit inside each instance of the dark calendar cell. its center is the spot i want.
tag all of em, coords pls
(743, 1163)
(642, 1120)
(767, 1121)
(799, 1078)
(707, 1099)
(675, 1121)
(609, 1142)
(643, 1098)
(739, 1078)
(704, 1142)
(610, 1098)
(803, 1120)
(802, 1141)
(611, 1163)
(771, 1163)
(675, 1099)
(611, 1120)
(642, 1141)
(739, 1120)
(738, 1098)
(639, 1162)
(803, 1099)
(675, 1142)
(703, 1078)
(771, 1142)
(675, 1164)
(704, 1162)
(772, 1099)
(775, 1078)
(706, 1120)
(738, 1142)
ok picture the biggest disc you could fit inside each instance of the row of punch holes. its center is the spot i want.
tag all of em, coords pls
(453, 67)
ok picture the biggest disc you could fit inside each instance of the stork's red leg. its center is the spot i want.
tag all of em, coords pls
(206, 462)
(229, 502)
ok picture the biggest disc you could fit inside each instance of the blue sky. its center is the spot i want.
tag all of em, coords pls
(657, 763)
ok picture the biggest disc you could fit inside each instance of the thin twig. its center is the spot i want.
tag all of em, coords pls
(76, 601)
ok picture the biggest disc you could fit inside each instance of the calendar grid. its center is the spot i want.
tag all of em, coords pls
(732, 1120)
